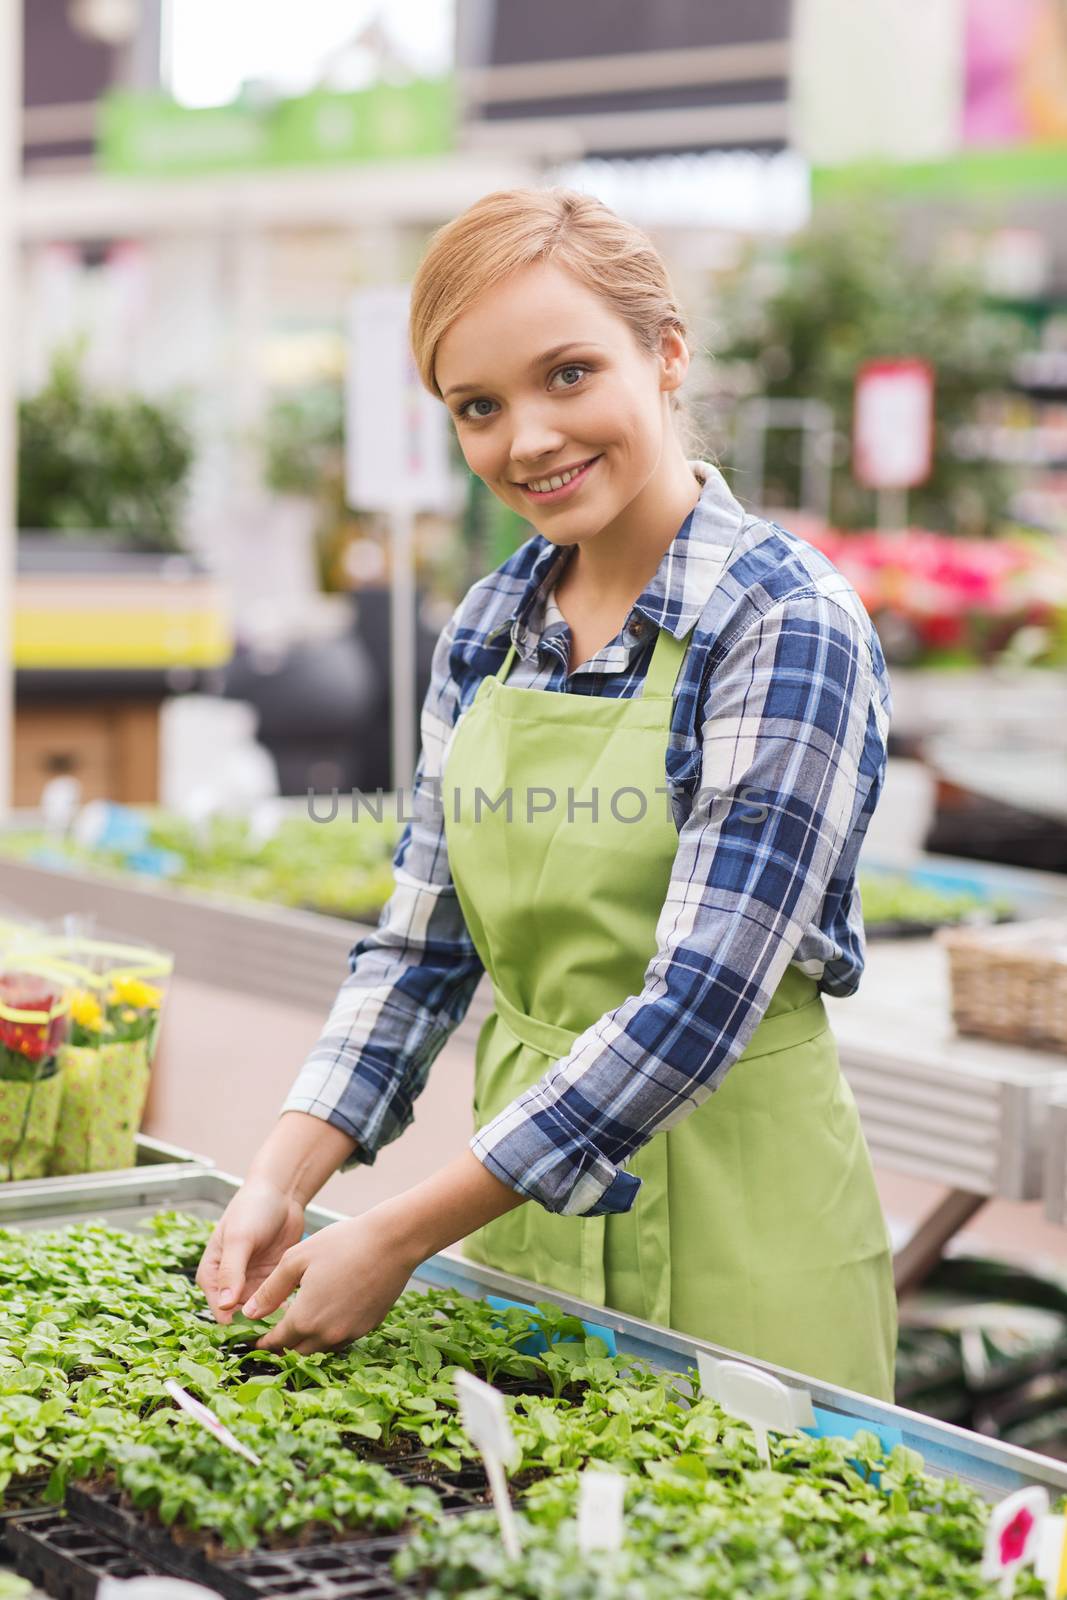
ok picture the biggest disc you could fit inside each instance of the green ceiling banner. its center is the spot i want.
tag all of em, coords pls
(1013, 169)
(152, 136)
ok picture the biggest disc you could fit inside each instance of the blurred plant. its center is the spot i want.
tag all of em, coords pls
(939, 600)
(303, 444)
(846, 291)
(92, 462)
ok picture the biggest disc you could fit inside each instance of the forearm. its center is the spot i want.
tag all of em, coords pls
(300, 1154)
(443, 1208)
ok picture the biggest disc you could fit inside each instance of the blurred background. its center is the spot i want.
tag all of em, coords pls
(864, 211)
(231, 528)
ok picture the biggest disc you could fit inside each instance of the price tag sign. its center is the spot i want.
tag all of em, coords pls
(1013, 1536)
(1051, 1564)
(893, 424)
(600, 1502)
(485, 1420)
(207, 1419)
(758, 1398)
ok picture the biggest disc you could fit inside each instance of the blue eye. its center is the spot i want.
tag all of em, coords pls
(476, 416)
(570, 376)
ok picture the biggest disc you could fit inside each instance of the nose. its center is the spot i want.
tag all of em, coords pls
(533, 437)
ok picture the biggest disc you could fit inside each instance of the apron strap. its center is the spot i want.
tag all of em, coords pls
(667, 657)
(506, 664)
(544, 1037)
(783, 1030)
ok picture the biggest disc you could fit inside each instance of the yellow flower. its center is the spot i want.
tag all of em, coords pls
(135, 992)
(85, 1010)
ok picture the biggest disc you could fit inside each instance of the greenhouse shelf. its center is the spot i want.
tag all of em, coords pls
(127, 1199)
(295, 958)
(153, 1153)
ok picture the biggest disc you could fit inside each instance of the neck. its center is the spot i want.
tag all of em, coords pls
(622, 559)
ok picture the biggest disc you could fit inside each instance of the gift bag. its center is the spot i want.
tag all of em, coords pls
(106, 1065)
(34, 1019)
(104, 1088)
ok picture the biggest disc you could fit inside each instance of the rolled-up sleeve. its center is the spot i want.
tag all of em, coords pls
(411, 980)
(793, 738)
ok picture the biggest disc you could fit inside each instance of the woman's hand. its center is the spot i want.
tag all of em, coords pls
(266, 1216)
(349, 1276)
(260, 1224)
(351, 1273)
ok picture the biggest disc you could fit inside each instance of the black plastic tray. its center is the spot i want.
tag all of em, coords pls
(327, 1569)
(19, 1499)
(67, 1557)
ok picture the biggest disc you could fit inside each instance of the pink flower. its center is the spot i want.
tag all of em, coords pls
(1014, 1539)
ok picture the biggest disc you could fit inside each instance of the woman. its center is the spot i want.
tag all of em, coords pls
(651, 746)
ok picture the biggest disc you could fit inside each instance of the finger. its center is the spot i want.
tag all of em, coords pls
(207, 1273)
(285, 1335)
(277, 1288)
(233, 1268)
(310, 1347)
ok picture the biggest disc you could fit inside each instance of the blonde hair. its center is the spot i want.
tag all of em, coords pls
(514, 228)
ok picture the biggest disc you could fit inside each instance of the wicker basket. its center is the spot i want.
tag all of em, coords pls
(1010, 982)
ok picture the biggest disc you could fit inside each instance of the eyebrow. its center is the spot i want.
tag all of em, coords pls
(538, 361)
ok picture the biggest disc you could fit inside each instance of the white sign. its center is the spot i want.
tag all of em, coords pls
(1013, 1536)
(396, 433)
(758, 1398)
(600, 1502)
(893, 424)
(1051, 1563)
(485, 1419)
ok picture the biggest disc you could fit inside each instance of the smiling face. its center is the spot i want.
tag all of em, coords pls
(557, 407)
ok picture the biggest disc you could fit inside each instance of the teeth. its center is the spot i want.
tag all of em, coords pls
(543, 485)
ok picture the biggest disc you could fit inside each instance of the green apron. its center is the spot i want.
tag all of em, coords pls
(757, 1226)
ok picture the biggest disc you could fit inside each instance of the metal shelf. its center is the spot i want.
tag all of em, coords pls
(297, 958)
(94, 206)
(152, 1153)
(128, 1199)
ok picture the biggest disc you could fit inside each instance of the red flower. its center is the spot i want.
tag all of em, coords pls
(21, 991)
(1014, 1538)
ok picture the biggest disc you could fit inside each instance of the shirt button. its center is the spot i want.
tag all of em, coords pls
(637, 627)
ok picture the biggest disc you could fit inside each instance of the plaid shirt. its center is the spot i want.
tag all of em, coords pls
(783, 699)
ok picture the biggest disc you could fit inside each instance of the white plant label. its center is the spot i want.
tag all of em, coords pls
(485, 1419)
(1013, 1536)
(1051, 1563)
(758, 1398)
(600, 1517)
(151, 1589)
(207, 1419)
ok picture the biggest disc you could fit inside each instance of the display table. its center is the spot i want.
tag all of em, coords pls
(967, 1113)
(1056, 1159)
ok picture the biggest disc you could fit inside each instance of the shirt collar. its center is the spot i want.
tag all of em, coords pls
(681, 585)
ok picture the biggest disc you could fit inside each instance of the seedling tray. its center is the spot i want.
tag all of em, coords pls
(68, 1558)
(329, 1567)
(128, 1199)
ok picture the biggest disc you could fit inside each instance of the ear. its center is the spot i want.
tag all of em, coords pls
(674, 359)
